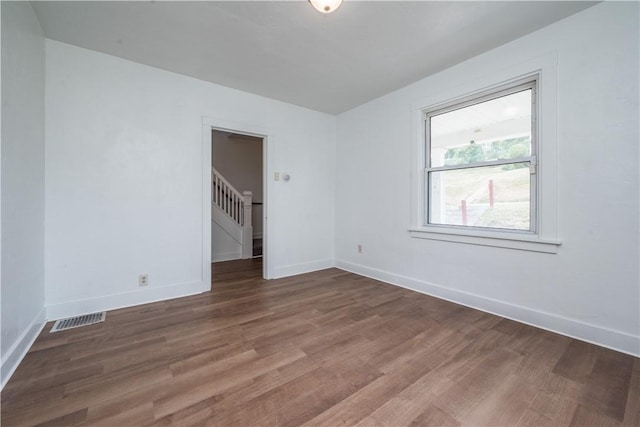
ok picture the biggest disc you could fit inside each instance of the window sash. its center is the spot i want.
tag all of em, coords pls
(478, 99)
(526, 159)
(532, 204)
(532, 159)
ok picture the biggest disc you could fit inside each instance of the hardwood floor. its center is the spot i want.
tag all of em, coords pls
(322, 349)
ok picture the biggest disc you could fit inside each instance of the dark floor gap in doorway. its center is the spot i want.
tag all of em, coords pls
(257, 247)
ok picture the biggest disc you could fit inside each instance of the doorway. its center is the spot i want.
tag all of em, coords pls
(237, 228)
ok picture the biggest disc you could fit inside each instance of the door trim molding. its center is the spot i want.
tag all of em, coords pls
(213, 123)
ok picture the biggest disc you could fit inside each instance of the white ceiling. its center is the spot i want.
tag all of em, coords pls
(290, 52)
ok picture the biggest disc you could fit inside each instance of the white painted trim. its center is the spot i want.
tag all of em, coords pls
(268, 142)
(206, 205)
(268, 154)
(545, 67)
(62, 310)
(604, 337)
(493, 238)
(226, 256)
(19, 349)
(307, 267)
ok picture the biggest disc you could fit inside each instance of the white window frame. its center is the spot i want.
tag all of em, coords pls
(542, 237)
(510, 89)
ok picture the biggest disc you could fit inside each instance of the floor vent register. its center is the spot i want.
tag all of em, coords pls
(76, 322)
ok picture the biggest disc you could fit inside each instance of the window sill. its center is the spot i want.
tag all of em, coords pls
(487, 238)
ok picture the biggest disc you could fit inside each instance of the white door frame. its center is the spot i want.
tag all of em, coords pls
(210, 124)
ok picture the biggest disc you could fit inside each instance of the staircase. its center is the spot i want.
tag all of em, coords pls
(232, 233)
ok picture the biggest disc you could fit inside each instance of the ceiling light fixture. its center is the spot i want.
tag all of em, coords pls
(326, 6)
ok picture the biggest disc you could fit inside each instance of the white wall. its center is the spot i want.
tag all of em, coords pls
(590, 288)
(22, 156)
(124, 171)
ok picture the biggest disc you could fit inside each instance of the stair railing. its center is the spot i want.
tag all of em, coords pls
(227, 198)
(237, 205)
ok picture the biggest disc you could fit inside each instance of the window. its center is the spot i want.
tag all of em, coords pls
(485, 156)
(481, 161)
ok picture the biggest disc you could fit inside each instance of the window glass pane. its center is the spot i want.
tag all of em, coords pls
(496, 129)
(490, 196)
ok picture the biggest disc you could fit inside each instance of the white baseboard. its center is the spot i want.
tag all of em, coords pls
(62, 310)
(604, 337)
(20, 348)
(226, 256)
(307, 267)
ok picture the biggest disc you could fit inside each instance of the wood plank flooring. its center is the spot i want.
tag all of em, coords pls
(327, 348)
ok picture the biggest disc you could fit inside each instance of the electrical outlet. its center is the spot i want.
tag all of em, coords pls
(359, 248)
(143, 280)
